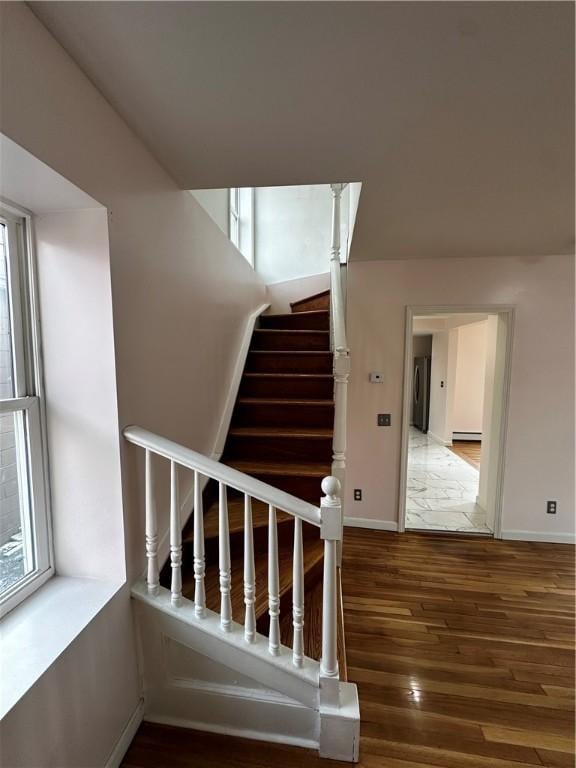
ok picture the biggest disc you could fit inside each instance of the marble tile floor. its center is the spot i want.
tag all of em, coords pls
(441, 489)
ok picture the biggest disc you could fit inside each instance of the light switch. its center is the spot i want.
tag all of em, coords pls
(376, 377)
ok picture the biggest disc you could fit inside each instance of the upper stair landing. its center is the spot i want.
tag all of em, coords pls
(319, 301)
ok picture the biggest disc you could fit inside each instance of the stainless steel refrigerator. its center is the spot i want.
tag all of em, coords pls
(421, 393)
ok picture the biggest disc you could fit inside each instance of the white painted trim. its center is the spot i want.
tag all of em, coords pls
(227, 730)
(445, 443)
(233, 691)
(551, 538)
(302, 277)
(490, 309)
(470, 436)
(257, 489)
(235, 380)
(117, 755)
(366, 522)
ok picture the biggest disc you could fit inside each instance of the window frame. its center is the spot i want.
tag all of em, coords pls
(241, 208)
(28, 400)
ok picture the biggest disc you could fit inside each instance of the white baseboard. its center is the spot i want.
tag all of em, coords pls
(126, 737)
(470, 436)
(551, 538)
(439, 440)
(366, 522)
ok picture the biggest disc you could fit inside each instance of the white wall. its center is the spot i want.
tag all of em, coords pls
(181, 294)
(216, 203)
(469, 379)
(80, 385)
(442, 369)
(293, 231)
(64, 719)
(540, 447)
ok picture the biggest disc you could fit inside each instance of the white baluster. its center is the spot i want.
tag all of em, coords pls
(224, 560)
(153, 576)
(331, 532)
(249, 573)
(273, 584)
(337, 190)
(175, 536)
(199, 568)
(298, 595)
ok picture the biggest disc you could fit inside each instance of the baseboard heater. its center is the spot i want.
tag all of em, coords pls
(470, 436)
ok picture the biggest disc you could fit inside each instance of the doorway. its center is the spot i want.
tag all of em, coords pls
(455, 403)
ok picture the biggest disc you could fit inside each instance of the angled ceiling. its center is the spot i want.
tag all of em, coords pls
(458, 117)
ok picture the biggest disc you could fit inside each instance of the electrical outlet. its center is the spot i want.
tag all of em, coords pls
(357, 494)
(384, 420)
(551, 507)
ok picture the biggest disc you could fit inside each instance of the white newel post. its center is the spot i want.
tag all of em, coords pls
(224, 559)
(175, 536)
(341, 352)
(199, 566)
(331, 532)
(153, 575)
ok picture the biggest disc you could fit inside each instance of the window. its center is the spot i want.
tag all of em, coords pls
(25, 556)
(242, 220)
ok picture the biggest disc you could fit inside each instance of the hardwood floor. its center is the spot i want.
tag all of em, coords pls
(469, 450)
(463, 652)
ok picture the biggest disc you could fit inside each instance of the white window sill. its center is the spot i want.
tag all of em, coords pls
(39, 630)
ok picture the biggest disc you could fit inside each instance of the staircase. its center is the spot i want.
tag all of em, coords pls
(281, 433)
(241, 631)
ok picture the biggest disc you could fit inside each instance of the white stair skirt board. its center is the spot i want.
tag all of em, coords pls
(199, 677)
(187, 505)
(366, 522)
(235, 381)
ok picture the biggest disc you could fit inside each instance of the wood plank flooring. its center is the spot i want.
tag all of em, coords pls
(469, 450)
(463, 652)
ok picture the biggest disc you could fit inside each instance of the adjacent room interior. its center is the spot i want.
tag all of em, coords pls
(457, 376)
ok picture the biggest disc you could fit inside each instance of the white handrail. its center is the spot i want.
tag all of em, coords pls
(328, 518)
(186, 457)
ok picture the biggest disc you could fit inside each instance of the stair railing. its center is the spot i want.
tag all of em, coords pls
(339, 344)
(327, 518)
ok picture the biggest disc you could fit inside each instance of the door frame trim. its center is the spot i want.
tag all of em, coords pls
(506, 311)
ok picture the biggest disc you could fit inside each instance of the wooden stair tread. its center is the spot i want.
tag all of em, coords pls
(256, 374)
(289, 432)
(313, 554)
(282, 401)
(294, 331)
(236, 518)
(313, 312)
(291, 352)
(280, 468)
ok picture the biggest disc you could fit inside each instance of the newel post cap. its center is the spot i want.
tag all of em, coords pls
(331, 510)
(331, 489)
